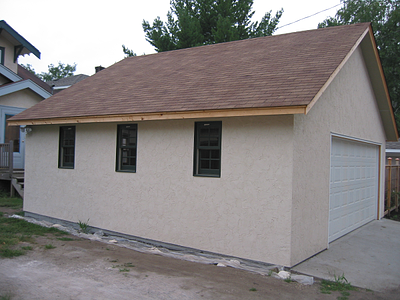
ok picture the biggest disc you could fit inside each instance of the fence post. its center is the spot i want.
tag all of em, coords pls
(389, 185)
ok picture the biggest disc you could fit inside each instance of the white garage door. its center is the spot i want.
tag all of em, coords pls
(353, 197)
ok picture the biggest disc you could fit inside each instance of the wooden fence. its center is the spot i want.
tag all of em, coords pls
(392, 184)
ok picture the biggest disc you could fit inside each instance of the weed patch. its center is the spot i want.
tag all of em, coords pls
(65, 239)
(124, 270)
(49, 246)
(84, 226)
(8, 253)
(340, 284)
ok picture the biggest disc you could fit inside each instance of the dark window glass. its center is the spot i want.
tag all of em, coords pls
(2, 50)
(67, 147)
(207, 144)
(126, 147)
(12, 134)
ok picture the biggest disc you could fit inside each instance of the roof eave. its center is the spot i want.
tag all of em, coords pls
(377, 77)
(200, 114)
(9, 74)
(21, 85)
(375, 70)
(20, 39)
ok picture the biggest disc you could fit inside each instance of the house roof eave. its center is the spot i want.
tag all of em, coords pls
(19, 41)
(201, 114)
(6, 72)
(21, 85)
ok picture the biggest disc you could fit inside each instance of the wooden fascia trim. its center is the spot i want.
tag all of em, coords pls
(223, 113)
(382, 76)
(330, 79)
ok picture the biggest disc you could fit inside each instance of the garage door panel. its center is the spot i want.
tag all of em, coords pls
(353, 186)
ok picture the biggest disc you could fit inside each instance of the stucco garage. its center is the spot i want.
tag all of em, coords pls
(265, 196)
(354, 181)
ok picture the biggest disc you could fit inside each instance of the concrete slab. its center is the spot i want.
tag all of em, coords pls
(369, 257)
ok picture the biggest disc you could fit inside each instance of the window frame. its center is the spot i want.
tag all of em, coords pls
(197, 170)
(2, 55)
(119, 167)
(62, 148)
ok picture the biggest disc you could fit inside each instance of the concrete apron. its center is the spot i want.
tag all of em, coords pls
(369, 257)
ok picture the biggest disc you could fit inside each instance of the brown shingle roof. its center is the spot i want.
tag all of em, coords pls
(25, 74)
(67, 81)
(274, 71)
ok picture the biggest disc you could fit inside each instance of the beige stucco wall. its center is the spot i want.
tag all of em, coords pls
(347, 107)
(9, 55)
(23, 99)
(244, 213)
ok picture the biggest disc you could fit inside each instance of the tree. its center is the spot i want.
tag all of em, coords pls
(385, 18)
(127, 51)
(55, 72)
(193, 23)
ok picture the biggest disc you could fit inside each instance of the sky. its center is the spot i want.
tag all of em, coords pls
(91, 33)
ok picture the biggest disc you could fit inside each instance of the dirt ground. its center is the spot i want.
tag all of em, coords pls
(84, 269)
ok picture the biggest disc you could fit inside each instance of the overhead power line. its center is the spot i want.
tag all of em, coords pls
(309, 16)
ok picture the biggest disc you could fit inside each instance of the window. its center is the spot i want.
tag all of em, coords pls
(207, 149)
(67, 147)
(126, 147)
(2, 50)
(12, 134)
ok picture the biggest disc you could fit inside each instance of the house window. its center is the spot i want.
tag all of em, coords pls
(12, 134)
(207, 149)
(67, 147)
(2, 50)
(126, 147)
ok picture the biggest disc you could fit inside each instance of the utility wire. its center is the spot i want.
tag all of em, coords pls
(309, 16)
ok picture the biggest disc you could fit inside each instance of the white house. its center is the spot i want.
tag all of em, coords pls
(266, 149)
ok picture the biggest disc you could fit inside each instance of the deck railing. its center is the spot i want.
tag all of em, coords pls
(6, 157)
(392, 184)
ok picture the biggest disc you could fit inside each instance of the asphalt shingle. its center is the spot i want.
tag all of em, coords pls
(274, 71)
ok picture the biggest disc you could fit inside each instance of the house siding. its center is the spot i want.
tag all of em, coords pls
(347, 107)
(9, 55)
(244, 213)
(23, 99)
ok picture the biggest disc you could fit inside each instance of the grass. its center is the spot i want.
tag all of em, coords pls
(124, 267)
(15, 231)
(5, 297)
(124, 270)
(253, 290)
(49, 246)
(340, 284)
(395, 216)
(15, 203)
(65, 239)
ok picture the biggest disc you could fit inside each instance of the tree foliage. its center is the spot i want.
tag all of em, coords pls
(385, 18)
(127, 51)
(193, 23)
(54, 72)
